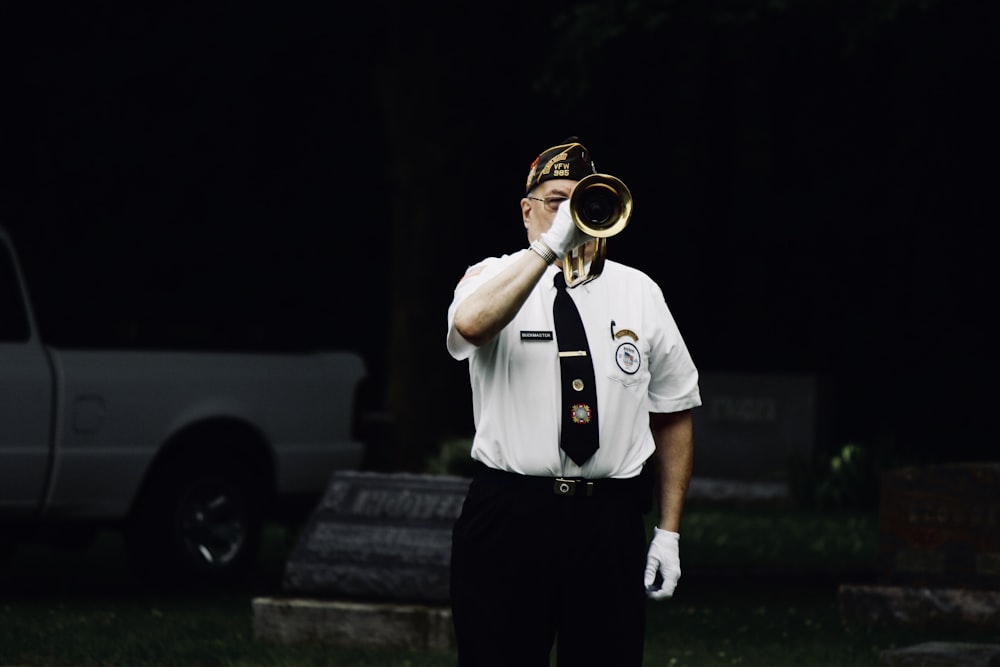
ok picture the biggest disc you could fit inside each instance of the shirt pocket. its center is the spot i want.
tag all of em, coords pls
(629, 364)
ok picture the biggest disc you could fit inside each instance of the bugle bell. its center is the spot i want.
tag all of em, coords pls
(600, 206)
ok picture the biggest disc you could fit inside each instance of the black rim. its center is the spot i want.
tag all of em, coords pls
(212, 523)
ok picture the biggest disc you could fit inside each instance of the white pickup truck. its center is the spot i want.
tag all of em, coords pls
(187, 453)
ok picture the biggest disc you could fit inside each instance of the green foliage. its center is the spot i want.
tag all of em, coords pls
(851, 481)
(850, 478)
(452, 458)
(764, 537)
(589, 34)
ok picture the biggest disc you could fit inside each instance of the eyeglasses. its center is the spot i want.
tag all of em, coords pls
(551, 203)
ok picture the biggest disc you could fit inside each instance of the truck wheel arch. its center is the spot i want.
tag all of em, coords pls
(219, 438)
(221, 457)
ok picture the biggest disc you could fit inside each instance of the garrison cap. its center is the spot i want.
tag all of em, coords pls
(570, 159)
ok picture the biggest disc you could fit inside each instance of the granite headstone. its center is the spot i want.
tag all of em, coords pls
(378, 537)
(939, 550)
(940, 525)
(751, 427)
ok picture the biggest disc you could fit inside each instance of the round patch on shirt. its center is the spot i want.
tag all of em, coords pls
(628, 358)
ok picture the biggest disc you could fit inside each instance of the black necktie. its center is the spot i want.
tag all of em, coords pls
(579, 392)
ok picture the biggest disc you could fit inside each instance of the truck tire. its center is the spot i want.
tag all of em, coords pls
(198, 523)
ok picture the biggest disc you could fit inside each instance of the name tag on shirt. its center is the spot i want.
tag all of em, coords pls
(536, 335)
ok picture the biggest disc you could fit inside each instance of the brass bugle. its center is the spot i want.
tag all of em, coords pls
(601, 206)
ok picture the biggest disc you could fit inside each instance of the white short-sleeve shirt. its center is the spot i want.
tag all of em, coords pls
(641, 365)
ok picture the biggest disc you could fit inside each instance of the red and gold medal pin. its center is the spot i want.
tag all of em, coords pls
(581, 413)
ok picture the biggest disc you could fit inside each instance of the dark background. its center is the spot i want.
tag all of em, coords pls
(813, 184)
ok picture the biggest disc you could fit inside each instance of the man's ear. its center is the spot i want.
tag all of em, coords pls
(525, 211)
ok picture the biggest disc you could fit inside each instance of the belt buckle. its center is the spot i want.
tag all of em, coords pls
(567, 487)
(564, 487)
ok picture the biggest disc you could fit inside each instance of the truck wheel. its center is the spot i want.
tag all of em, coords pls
(200, 525)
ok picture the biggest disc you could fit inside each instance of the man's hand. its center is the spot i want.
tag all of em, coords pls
(563, 235)
(663, 559)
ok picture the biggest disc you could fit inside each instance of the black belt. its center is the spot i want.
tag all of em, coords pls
(560, 486)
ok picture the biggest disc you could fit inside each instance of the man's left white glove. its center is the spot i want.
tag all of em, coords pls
(663, 558)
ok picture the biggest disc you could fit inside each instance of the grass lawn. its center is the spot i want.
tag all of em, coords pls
(759, 588)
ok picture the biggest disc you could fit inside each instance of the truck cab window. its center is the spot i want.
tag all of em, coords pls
(13, 318)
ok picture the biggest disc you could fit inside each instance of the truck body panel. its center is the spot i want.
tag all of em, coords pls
(87, 435)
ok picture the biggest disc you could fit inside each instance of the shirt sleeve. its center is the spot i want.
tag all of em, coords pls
(459, 348)
(673, 384)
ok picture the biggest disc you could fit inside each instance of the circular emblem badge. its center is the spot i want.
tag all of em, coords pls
(581, 413)
(628, 358)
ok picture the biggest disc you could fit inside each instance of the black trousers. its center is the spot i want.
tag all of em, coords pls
(531, 569)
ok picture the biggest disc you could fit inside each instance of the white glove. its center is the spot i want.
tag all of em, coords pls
(563, 235)
(663, 558)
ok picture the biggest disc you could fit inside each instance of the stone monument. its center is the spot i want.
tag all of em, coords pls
(751, 427)
(940, 526)
(939, 552)
(371, 566)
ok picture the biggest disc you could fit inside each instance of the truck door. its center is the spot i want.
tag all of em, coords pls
(25, 398)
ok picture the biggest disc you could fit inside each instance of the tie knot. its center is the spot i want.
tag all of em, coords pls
(559, 280)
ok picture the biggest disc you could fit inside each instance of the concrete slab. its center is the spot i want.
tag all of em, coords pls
(920, 607)
(341, 623)
(943, 654)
